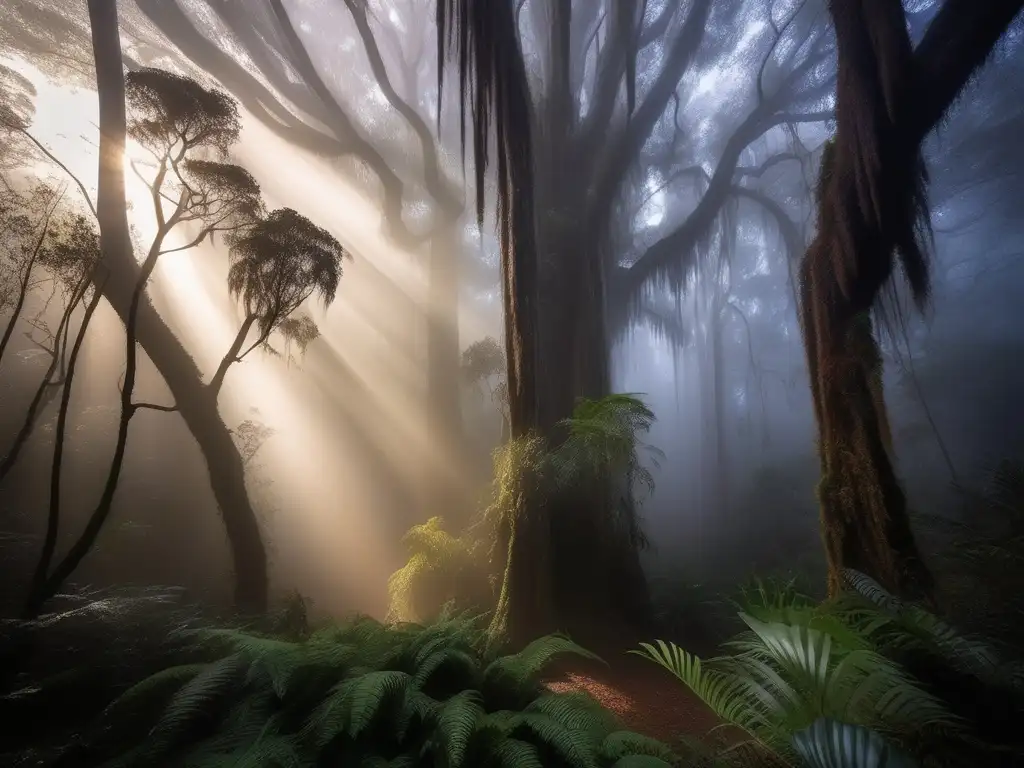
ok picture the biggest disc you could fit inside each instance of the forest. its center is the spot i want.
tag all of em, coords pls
(511, 383)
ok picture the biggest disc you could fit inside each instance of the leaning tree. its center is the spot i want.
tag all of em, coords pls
(872, 216)
(278, 265)
(180, 123)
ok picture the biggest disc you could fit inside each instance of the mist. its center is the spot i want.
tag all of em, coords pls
(350, 445)
(381, 343)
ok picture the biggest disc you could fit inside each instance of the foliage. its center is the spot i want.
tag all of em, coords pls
(17, 105)
(604, 443)
(361, 693)
(601, 445)
(171, 113)
(250, 436)
(282, 261)
(442, 570)
(482, 359)
(983, 561)
(301, 331)
(809, 681)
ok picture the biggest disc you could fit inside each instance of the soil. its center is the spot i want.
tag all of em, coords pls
(646, 698)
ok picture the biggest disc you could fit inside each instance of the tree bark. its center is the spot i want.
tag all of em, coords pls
(888, 99)
(195, 402)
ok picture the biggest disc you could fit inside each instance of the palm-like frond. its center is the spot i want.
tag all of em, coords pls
(831, 744)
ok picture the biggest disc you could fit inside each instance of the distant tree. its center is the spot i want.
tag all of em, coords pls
(250, 436)
(25, 221)
(70, 254)
(177, 120)
(481, 360)
(282, 261)
(483, 365)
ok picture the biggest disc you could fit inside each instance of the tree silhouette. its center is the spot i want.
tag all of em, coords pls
(282, 261)
(301, 331)
(25, 221)
(175, 119)
(70, 254)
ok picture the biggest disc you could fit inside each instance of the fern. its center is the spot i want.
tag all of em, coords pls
(361, 693)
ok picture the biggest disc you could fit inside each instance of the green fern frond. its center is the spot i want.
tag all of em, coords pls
(155, 689)
(515, 753)
(522, 668)
(736, 699)
(621, 744)
(572, 746)
(353, 704)
(456, 723)
(200, 699)
(464, 667)
(641, 761)
(910, 627)
(578, 711)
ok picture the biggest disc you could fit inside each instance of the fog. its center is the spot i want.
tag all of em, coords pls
(352, 454)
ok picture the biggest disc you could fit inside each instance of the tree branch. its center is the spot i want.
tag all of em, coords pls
(53, 158)
(155, 407)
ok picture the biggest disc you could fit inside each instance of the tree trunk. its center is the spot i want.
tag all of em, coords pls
(444, 407)
(229, 359)
(47, 386)
(195, 402)
(716, 321)
(40, 588)
(864, 516)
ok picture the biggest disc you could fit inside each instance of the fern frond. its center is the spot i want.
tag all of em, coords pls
(621, 744)
(200, 699)
(523, 667)
(456, 723)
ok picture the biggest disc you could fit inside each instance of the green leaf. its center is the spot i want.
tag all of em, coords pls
(831, 744)
(456, 723)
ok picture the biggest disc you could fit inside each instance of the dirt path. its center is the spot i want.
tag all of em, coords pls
(646, 698)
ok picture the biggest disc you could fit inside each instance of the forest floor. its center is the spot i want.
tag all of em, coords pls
(645, 697)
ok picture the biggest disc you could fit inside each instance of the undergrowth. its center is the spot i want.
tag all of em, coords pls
(862, 681)
(361, 693)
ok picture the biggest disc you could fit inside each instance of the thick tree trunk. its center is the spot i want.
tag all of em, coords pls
(864, 516)
(196, 403)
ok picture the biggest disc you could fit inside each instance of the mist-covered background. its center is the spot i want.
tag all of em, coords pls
(708, 205)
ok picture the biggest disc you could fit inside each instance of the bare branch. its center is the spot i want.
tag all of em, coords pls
(155, 407)
(53, 158)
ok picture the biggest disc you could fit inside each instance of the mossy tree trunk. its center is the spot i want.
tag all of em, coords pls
(870, 207)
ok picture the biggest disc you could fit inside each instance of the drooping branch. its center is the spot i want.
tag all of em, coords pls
(678, 245)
